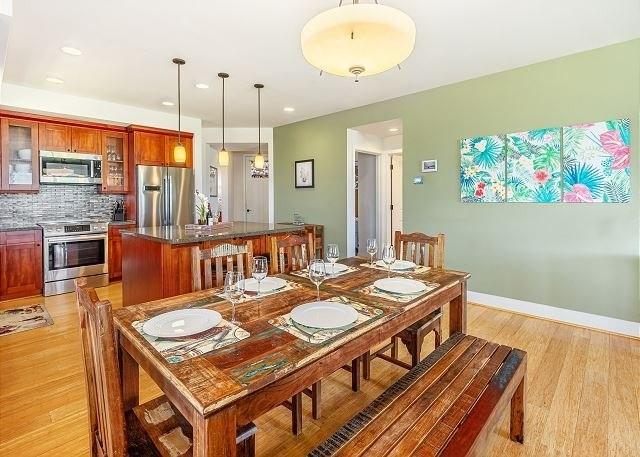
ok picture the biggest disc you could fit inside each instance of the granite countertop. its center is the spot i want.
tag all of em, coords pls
(15, 226)
(121, 222)
(178, 234)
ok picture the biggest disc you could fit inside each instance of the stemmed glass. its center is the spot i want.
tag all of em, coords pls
(389, 256)
(234, 290)
(317, 273)
(260, 269)
(333, 254)
(372, 248)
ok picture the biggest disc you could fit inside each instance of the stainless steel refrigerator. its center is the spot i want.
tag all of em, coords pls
(165, 196)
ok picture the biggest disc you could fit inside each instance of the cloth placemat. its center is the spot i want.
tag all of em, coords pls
(248, 296)
(176, 350)
(400, 298)
(419, 269)
(317, 336)
(305, 273)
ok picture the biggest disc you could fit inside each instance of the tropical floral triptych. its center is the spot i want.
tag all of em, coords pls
(585, 163)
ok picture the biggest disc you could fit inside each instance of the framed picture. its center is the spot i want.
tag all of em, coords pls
(429, 166)
(304, 174)
(213, 181)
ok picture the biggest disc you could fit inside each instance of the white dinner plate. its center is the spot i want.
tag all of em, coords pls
(182, 322)
(401, 286)
(336, 268)
(398, 265)
(268, 284)
(324, 314)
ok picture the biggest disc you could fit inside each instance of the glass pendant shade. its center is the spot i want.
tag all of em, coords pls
(223, 157)
(258, 162)
(358, 40)
(179, 153)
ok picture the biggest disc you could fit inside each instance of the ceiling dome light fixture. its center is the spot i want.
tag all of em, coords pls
(258, 161)
(179, 152)
(71, 51)
(358, 39)
(223, 154)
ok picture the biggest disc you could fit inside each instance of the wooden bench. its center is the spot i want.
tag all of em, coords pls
(447, 405)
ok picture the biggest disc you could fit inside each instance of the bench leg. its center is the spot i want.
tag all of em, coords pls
(366, 365)
(247, 448)
(517, 414)
(416, 348)
(296, 414)
(394, 348)
(437, 330)
(316, 399)
(355, 374)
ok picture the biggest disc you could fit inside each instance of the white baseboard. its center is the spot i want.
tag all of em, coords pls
(594, 321)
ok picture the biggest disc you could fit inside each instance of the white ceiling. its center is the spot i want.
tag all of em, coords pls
(381, 129)
(128, 46)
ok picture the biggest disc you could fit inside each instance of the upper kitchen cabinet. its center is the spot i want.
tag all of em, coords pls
(170, 142)
(115, 159)
(148, 148)
(85, 140)
(20, 167)
(55, 137)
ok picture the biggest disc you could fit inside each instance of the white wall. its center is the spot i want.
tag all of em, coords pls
(21, 98)
(6, 13)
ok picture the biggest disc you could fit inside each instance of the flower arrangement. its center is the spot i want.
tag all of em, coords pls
(201, 207)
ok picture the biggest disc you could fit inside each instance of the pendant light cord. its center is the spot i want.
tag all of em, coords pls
(223, 113)
(179, 106)
(259, 153)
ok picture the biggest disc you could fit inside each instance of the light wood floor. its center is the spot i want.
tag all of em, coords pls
(583, 396)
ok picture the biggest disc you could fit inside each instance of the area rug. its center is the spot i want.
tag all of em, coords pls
(24, 318)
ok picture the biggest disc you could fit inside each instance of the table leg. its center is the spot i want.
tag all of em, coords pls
(458, 311)
(215, 435)
(129, 380)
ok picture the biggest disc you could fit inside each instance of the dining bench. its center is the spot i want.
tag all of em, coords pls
(447, 405)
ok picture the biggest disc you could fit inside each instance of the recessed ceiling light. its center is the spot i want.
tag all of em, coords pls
(202, 85)
(168, 103)
(71, 51)
(289, 109)
(393, 129)
(54, 80)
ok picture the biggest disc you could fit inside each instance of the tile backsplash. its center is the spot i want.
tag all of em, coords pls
(57, 202)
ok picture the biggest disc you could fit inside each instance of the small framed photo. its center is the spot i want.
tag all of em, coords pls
(429, 166)
(304, 174)
(213, 181)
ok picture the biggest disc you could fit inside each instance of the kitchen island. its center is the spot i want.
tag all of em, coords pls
(156, 261)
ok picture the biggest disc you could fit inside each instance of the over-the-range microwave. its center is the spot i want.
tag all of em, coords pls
(70, 168)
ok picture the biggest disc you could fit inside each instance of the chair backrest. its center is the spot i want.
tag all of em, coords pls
(291, 253)
(220, 259)
(420, 248)
(106, 414)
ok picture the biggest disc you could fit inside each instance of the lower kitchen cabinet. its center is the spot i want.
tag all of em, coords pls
(115, 250)
(20, 264)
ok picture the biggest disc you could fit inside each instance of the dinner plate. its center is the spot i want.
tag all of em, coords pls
(398, 265)
(400, 286)
(324, 314)
(336, 268)
(182, 322)
(268, 284)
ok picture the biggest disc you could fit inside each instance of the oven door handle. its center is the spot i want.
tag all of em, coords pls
(66, 239)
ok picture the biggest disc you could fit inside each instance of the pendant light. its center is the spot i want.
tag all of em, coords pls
(179, 152)
(223, 154)
(258, 162)
(358, 39)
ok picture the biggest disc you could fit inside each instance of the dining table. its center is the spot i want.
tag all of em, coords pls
(225, 388)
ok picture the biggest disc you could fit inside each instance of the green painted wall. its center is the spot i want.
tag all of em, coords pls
(579, 257)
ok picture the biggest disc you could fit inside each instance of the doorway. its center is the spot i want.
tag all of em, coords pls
(395, 177)
(366, 190)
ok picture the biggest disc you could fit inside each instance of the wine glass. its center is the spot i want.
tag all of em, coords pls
(333, 254)
(388, 257)
(234, 290)
(317, 273)
(260, 269)
(372, 248)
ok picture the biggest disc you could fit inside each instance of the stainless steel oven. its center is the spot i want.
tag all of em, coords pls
(73, 250)
(70, 168)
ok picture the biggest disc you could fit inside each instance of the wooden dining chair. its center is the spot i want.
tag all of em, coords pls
(151, 429)
(215, 261)
(292, 252)
(424, 250)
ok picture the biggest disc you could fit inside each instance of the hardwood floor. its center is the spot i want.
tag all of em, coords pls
(583, 395)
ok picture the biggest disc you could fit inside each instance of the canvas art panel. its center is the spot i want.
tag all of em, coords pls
(482, 169)
(534, 161)
(597, 162)
(304, 174)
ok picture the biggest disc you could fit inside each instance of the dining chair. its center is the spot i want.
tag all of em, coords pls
(151, 429)
(424, 250)
(292, 252)
(218, 260)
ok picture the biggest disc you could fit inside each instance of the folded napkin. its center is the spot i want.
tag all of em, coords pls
(248, 296)
(400, 298)
(419, 269)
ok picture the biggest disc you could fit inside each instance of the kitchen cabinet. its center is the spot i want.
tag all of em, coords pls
(86, 140)
(20, 264)
(169, 143)
(148, 148)
(19, 155)
(55, 137)
(115, 249)
(115, 162)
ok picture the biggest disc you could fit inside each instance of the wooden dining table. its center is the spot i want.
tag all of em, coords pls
(219, 391)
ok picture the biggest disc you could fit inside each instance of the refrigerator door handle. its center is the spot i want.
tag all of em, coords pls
(170, 215)
(165, 200)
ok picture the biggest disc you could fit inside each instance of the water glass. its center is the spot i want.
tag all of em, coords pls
(317, 273)
(333, 254)
(372, 248)
(234, 290)
(260, 269)
(389, 257)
